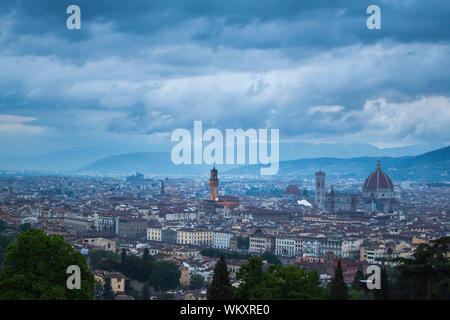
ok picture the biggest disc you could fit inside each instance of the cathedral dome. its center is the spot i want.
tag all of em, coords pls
(378, 181)
(292, 190)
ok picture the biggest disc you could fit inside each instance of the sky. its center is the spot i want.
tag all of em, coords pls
(139, 69)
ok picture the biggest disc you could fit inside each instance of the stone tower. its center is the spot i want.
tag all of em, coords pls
(332, 199)
(213, 184)
(320, 189)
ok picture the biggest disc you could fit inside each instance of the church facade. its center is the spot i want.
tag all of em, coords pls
(377, 195)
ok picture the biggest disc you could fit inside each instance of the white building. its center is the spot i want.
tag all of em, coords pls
(311, 247)
(288, 246)
(221, 239)
(260, 243)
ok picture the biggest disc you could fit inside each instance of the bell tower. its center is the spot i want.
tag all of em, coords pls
(213, 184)
(320, 189)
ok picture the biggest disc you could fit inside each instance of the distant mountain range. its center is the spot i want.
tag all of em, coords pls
(76, 158)
(430, 166)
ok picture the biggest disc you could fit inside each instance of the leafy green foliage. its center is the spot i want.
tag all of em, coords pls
(426, 275)
(146, 292)
(25, 227)
(108, 293)
(104, 260)
(357, 284)
(360, 295)
(277, 283)
(164, 296)
(162, 275)
(197, 282)
(243, 242)
(220, 287)
(3, 225)
(5, 240)
(270, 258)
(165, 275)
(210, 252)
(35, 268)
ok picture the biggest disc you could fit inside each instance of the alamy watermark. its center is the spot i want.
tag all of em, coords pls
(73, 22)
(74, 280)
(374, 280)
(213, 152)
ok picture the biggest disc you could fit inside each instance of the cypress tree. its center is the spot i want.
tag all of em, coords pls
(108, 294)
(338, 289)
(146, 254)
(123, 256)
(357, 284)
(220, 287)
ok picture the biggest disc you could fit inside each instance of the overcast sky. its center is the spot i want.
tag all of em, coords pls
(139, 69)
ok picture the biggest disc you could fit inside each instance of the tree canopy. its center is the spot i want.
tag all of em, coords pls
(338, 288)
(277, 283)
(197, 282)
(220, 287)
(165, 275)
(35, 267)
(426, 275)
(270, 258)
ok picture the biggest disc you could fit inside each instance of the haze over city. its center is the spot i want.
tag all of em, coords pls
(249, 153)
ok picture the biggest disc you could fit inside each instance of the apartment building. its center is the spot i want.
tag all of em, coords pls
(260, 243)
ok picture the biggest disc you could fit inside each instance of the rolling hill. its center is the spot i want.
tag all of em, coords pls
(430, 166)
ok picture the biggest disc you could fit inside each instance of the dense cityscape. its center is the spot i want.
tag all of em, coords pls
(307, 223)
(217, 159)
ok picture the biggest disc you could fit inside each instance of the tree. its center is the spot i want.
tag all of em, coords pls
(108, 294)
(135, 267)
(196, 282)
(251, 275)
(3, 225)
(270, 258)
(165, 275)
(25, 227)
(104, 260)
(357, 284)
(35, 267)
(220, 287)
(338, 289)
(277, 283)
(146, 255)
(145, 292)
(123, 256)
(210, 252)
(243, 242)
(427, 274)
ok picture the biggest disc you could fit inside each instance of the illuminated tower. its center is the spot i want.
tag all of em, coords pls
(320, 189)
(213, 184)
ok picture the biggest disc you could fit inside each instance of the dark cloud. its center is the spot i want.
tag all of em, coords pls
(311, 69)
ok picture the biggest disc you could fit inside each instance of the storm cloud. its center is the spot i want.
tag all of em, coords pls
(140, 69)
